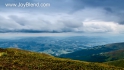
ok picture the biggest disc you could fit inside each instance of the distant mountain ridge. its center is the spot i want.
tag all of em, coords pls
(101, 53)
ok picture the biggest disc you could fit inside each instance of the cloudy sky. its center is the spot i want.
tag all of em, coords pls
(62, 16)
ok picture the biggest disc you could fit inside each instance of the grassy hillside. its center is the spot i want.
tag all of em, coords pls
(16, 59)
(119, 63)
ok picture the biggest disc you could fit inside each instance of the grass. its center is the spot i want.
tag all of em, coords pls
(17, 59)
(119, 63)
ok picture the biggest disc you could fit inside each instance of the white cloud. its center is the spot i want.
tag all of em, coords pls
(100, 26)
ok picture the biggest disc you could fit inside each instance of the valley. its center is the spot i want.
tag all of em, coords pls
(55, 45)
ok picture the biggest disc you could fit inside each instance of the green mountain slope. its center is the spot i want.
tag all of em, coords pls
(114, 55)
(102, 53)
(16, 59)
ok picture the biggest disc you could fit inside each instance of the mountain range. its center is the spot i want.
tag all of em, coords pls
(56, 45)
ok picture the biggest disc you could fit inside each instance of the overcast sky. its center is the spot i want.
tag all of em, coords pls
(75, 16)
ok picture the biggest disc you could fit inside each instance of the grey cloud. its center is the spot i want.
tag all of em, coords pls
(9, 24)
(103, 3)
(72, 23)
(108, 9)
(19, 20)
(37, 24)
(112, 7)
(121, 22)
(61, 16)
